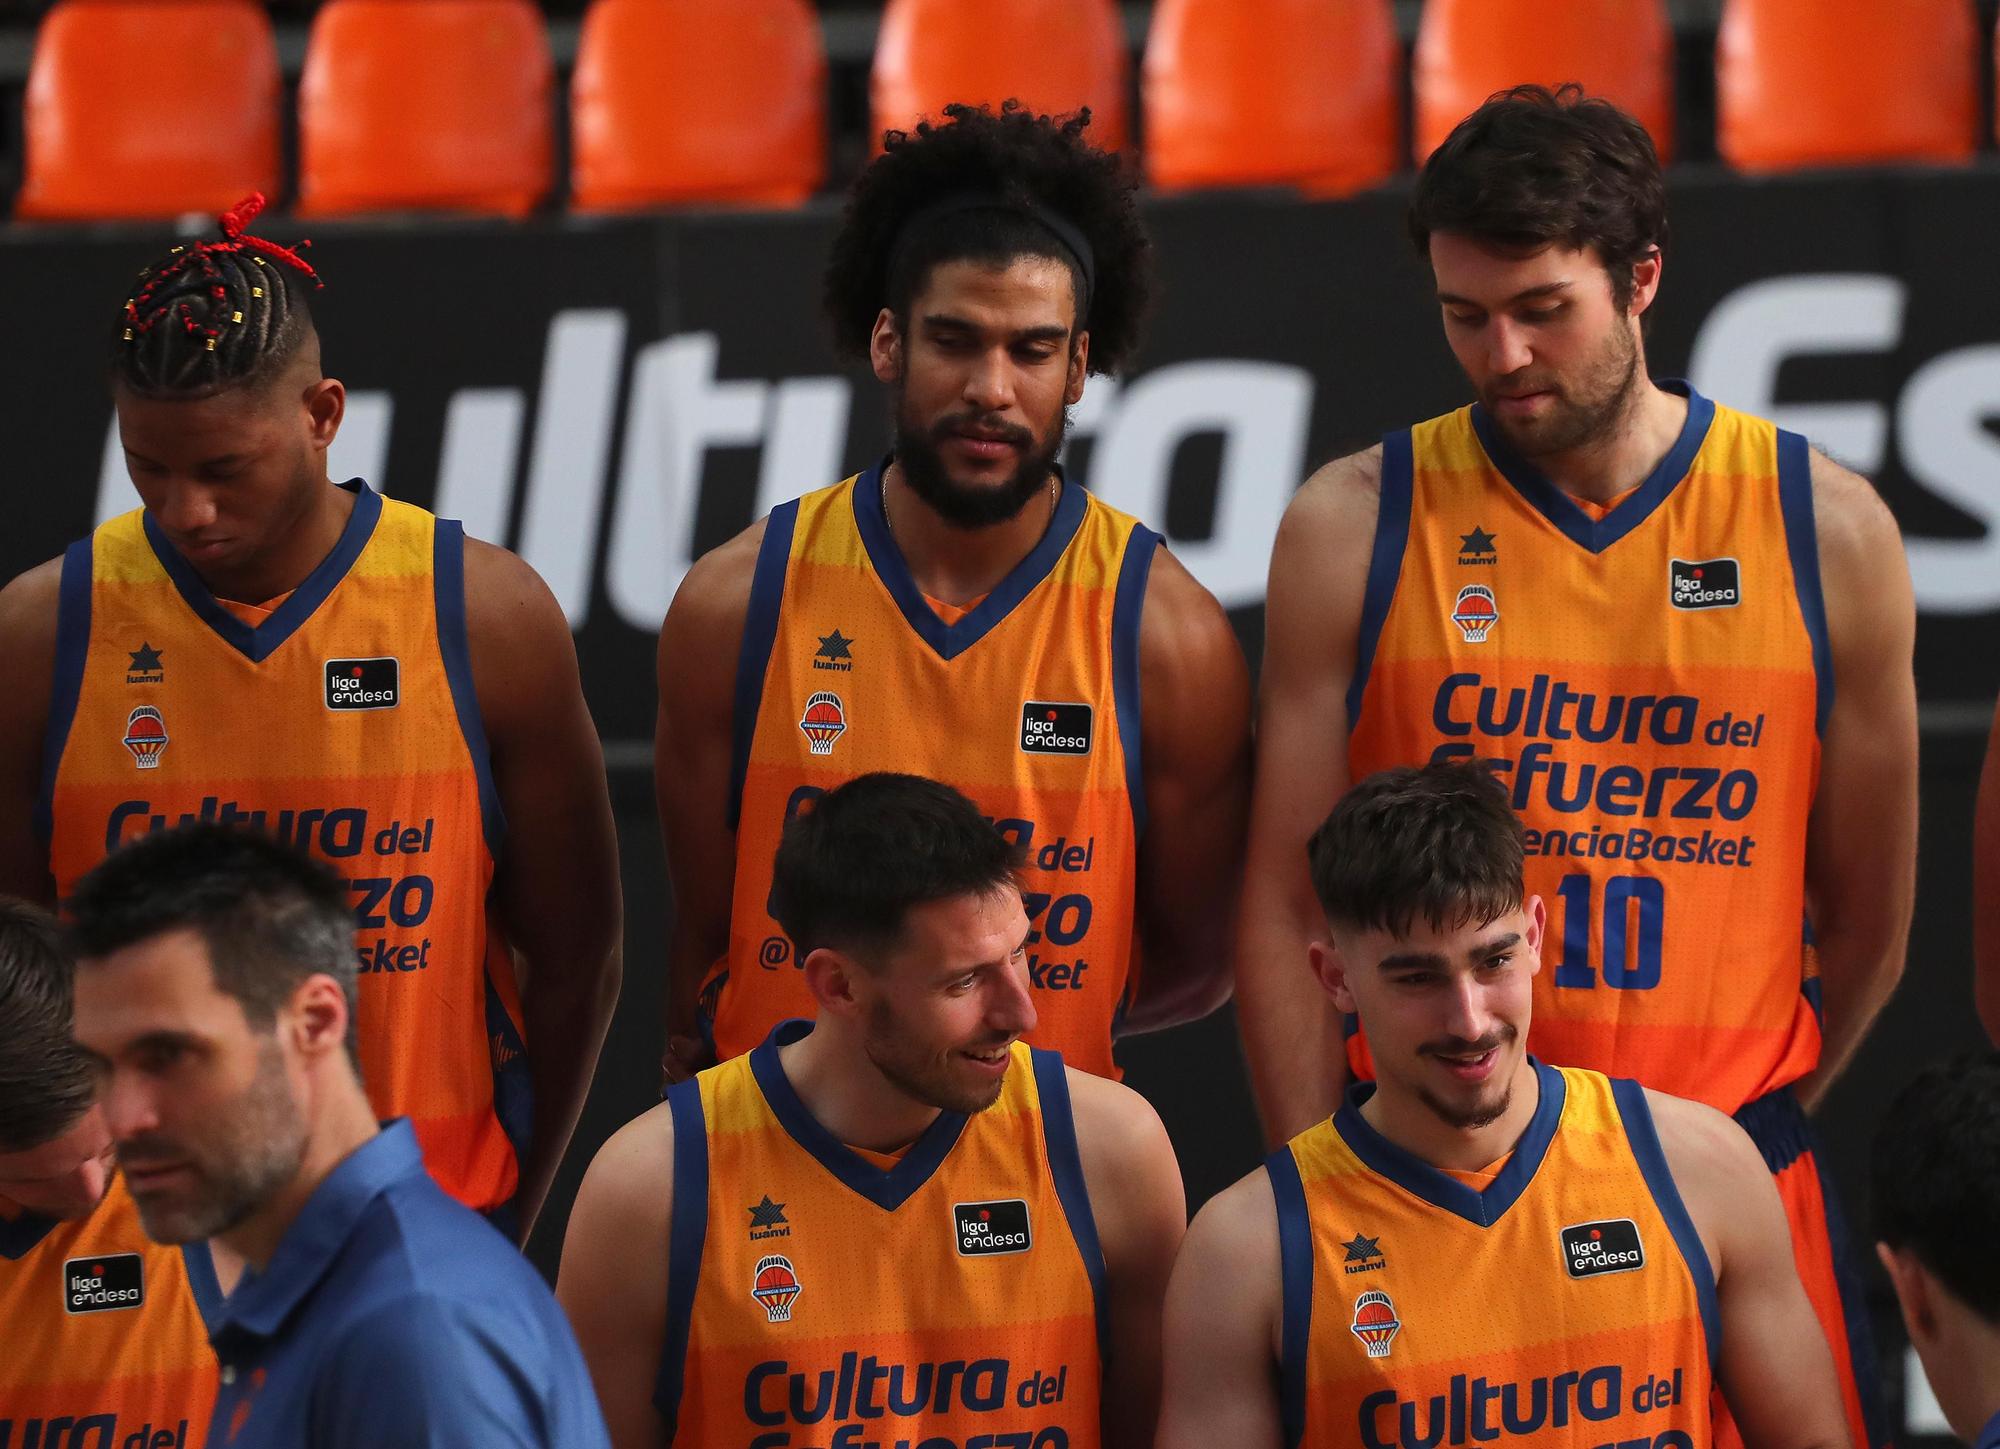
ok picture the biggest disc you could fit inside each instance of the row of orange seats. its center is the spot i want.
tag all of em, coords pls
(153, 108)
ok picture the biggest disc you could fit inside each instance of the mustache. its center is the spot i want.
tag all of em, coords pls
(984, 426)
(149, 1152)
(1458, 1046)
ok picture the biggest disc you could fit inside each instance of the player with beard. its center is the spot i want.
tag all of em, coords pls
(1679, 637)
(1479, 1245)
(964, 610)
(215, 989)
(897, 1222)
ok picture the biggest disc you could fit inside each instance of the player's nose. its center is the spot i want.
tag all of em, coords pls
(129, 1108)
(989, 382)
(1466, 1016)
(1507, 347)
(185, 508)
(1011, 1008)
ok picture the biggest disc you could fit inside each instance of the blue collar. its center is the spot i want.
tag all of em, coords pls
(1439, 1189)
(263, 1301)
(887, 1188)
(1989, 1437)
(20, 1235)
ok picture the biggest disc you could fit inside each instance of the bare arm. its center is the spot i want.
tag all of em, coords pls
(1986, 889)
(691, 757)
(613, 1281)
(1861, 845)
(1194, 696)
(1312, 619)
(27, 663)
(1141, 1212)
(556, 888)
(1775, 1368)
(1223, 1326)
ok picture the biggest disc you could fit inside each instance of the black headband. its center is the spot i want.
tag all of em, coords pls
(1072, 238)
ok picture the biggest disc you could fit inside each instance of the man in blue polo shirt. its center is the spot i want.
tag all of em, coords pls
(215, 989)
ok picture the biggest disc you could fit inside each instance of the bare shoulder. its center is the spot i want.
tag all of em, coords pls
(504, 593)
(1234, 1238)
(1849, 515)
(1338, 495)
(28, 608)
(704, 623)
(630, 1181)
(1112, 1119)
(1705, 1149)
(1184, 631)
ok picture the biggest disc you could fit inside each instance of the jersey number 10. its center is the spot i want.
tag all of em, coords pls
(1631, 957)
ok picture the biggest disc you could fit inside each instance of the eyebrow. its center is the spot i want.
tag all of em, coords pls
(1050, 332)
(1433, 960)
(226, 460)
(1531, 294)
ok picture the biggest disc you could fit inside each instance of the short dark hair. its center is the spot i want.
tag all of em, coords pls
(1030, 167)
(269, 916)
(46, 1082)
(1438, 841)
(851, 866)
(1935, 1176)
(1534, 167)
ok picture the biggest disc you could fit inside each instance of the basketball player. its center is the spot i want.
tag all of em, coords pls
(1480, 1246)
(1986, 889)
(215, 990)
(104, 1339)
(896, 1224)
(964, 610)
(1936, 1172)
(1681, 640)
(344, 671)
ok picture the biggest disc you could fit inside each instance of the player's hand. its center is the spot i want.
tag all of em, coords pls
(685, 1056)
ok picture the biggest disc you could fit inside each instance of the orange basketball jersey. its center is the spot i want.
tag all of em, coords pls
(1029, 704)
(1649, 685)
(1569, 1302)
(817, 1296)
(346, 724)
(105, 1342)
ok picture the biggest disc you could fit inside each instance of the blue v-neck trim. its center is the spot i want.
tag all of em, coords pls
(259, 642)
(23, 1235)
(1596, 535)
(951, 640)
(1440, 1189)
(887, 1188)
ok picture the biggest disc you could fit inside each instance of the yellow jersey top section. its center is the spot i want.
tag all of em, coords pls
(345, 723)
(819, 1296)
(1649, 685)
(1569, 1303)
(105, 1339)
(1028, 703)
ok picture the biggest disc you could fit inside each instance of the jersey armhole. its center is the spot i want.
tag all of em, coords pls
(1385, 563)
(1127, 605)
(685, 1241)
(1295, 1271)
(1644, 1140)
(760, 633)
(66, 683)
(455, 648)
(1066, 1169)
(1795, 502)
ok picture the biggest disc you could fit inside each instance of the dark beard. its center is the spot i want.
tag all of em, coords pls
(1588, 419)
(918, 453)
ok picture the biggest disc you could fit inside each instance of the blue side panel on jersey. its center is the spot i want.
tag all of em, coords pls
(1066, 1167)
(1644, 1141)
(1795, 501)
(1295, 1266)
(1853, 1306)
(760, 632)
(513, 1084)
(1126, 605)
(72, 645)
(448, 583)
(1385, 564)
(207, 1288)
(685, 1241)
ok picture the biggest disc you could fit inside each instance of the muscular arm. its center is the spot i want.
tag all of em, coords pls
(556, 888)
(691, 756)
(1312, 618)
(1194, 692)
(27, 662)
(1774, 1365)
(1861, 844)
(1223, 1326)
(613, 1281)
(1986, 889)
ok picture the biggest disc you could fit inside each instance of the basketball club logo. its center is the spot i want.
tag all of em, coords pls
(824, 721)
(1375, 1322)
(775, 1286)
(145, 736)
(1475, 613)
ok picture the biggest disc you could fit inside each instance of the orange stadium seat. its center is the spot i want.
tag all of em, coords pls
(1052, 55)
(1621, 50)
(697, 100)
(1301, 93)
(1846, 82)
(432, 105)
(149, 108)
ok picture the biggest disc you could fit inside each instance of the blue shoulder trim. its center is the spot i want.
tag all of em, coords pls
(1385, 564)
(1295, 1263)
(1126, 606)
(1644, 1141)
(685, 1240)
(23, 1235)
(760, 632)
(72, 647)
(448, 584)
(1066, 1167)
(207, 1288)
(1795, 501)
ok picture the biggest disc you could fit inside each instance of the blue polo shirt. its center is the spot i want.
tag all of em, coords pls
(391, 1315)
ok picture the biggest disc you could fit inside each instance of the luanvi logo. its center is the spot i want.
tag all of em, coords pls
(100, 1285)
(1593, 1249)
(362, 683)
(987, 1228)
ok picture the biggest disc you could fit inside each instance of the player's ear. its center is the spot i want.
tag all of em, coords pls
(1646, 280)
(1079, 369)
(326, 404)
(316, 1017)
(1324, 957)
(1913, 1290)
(831, 977)
(1538, 926)
(885, 348)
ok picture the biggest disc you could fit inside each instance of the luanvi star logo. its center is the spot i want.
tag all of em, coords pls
(145, 667)
(834, 653)
(1364, 1255)
(767, 1220)
(1476, 547)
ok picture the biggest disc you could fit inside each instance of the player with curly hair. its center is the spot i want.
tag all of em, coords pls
(963, 610)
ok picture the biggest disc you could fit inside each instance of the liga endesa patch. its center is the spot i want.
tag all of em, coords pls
(1593, 1249)
(362, 683)
(100, 1285)
(985, 1228)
